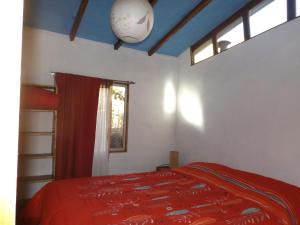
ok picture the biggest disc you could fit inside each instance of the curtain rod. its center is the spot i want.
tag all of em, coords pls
(122, 81)
(116, 81)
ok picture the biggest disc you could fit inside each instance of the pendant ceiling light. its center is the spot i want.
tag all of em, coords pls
(132, 20)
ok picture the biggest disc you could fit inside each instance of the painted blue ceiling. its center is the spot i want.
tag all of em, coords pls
(58, 16)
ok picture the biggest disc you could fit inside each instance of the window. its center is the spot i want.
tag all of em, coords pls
(119, 118)
(231, 36)
(203, 52)
(267, 15)
(252, 19)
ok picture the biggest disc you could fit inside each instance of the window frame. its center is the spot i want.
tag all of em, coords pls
(243, 14)
(229, 28)
(297, 8)
(126, 112)
(204, 46)
(263, 6)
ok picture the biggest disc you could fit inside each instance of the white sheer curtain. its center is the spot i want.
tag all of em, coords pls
(101, 148)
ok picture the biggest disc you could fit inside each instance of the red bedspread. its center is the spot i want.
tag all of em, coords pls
(199, 193)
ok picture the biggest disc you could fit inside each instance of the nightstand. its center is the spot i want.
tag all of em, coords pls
(163, 167)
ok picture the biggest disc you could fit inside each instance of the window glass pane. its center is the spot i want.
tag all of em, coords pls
(298, 7)
(204, 51)
(118, 117)
(231, 36)
(267, 15)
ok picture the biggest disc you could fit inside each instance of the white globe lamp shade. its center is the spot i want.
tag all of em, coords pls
(132, 20)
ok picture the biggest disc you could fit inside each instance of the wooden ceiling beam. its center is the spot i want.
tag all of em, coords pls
(179, 25)
(153, 2)
(78, 19)
(119, 42)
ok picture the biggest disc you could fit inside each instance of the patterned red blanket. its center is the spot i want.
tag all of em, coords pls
(199, 193)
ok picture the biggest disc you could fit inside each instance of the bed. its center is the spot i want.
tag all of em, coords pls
(196, 194)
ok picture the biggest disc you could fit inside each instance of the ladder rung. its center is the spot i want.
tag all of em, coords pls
(35, 179)
(33, 133)
(38, 110)
(36, 156)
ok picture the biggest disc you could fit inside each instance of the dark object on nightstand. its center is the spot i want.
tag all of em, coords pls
(173, 159)
(163, 167)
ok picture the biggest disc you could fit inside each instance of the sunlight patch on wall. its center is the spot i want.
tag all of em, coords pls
(169, 98)
(190, 107)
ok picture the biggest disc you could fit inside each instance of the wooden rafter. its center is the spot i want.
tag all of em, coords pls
(78, 19)
(179, 25)
(119, 42)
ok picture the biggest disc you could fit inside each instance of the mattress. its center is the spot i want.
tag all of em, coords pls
(198, 193)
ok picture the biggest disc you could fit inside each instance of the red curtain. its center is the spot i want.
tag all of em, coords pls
(76, 125)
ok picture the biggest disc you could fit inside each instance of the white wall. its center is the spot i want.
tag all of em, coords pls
(249, 99)
(10, 57)
(151, 130)
(240, 108)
